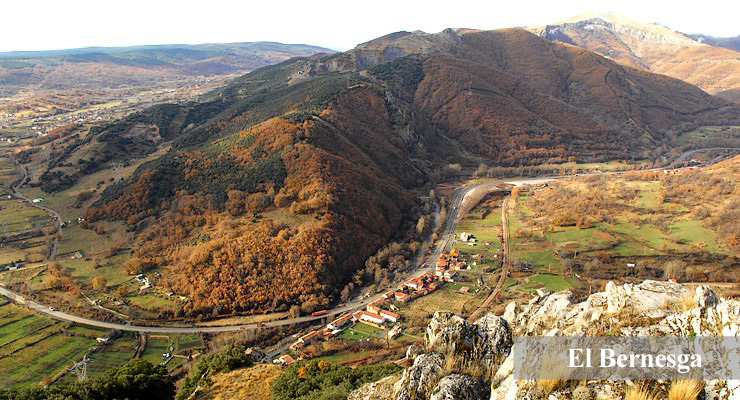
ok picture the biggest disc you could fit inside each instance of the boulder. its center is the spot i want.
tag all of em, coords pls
(413, 351)
(380, 390)
(705, 297)
(461, 387)
(495, 339)
(449, 334)
(418, 379)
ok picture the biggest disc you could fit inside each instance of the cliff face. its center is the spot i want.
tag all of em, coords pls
(460, 360)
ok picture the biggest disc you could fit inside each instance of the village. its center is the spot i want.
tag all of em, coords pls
(382, 313)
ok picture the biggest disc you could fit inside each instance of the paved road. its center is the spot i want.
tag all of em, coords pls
(358, 303)
(15, 189)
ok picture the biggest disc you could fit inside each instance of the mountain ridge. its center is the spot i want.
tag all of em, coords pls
(329, 152)
(651, 47)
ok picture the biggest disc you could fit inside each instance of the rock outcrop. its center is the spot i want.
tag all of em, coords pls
(461, 387)
(462, 360)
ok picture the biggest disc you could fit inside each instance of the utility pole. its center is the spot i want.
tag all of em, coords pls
(117, 167)
(80, 369)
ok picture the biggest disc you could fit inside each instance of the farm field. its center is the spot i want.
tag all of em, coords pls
(156, 346)
(447, 298)
(712, 136)
(33, 347)
(484, 222)
(553, 283)
(25, 231)
(652, 227)
(360, 331)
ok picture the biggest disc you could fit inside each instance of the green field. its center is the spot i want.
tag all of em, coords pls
(155, 347)
(692, 232)
(485, 225)
(113, 355)
(33, 347)
(176, 344)
(553, 283)
(712, 136)
(360, 331)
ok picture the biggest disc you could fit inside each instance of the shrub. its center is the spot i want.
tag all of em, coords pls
(200, 374)
(321, 380)
(685, 390)
(638, 393)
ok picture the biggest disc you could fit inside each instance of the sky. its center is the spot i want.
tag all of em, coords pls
(339, 25)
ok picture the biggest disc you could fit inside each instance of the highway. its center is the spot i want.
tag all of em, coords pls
(450, 224)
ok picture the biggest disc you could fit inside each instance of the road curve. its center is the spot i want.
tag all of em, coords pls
(16, 192)
(358, 303)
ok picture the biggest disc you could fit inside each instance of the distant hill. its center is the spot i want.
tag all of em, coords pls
(732, 43)
(695, 59)
(104, 67)
(281, 184)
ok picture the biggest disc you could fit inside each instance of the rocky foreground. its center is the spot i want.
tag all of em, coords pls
(467, 361)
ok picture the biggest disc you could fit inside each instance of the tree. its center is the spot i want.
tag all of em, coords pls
(421, 225)
(99, 283)
(122, 291)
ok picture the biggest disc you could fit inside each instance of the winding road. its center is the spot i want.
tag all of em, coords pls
(15, 191)
(358, 303)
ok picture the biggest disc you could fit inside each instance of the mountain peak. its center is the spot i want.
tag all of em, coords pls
(652, 47)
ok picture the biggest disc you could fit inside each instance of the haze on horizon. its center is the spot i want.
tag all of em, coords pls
(51, 25)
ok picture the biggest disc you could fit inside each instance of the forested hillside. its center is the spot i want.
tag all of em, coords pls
(293, 175)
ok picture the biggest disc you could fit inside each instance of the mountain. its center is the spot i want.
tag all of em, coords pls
(653, 48)
(732, 43)
(98, 67)
(281, 186)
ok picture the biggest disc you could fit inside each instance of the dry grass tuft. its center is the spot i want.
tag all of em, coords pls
(638, 393)
(685, 390)
(558, 370)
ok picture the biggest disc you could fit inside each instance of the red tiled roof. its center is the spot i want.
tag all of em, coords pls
(372, 315)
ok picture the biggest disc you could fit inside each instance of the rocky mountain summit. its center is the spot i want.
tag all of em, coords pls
(709, 64)
(462, 360)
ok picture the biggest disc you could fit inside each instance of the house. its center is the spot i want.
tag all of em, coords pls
(371, 317)
(464, 236)
(38, 200)
(454, 254)
(442, 263)
(103, 340)
(449, 276)
(415, 284)
(464, 289)
(390, 316)
(286, 359)
(371, 308)
(402, 297)
(339, 322)
(431, 287)
(305, 339)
